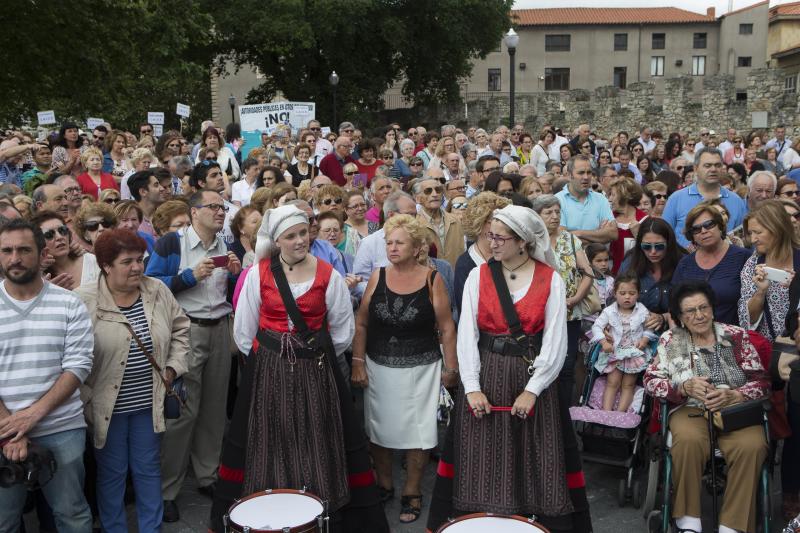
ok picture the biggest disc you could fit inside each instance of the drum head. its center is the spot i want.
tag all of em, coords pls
(484, 523)
(276, 511)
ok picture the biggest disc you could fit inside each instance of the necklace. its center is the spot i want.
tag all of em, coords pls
(512, 270)
(292, 265)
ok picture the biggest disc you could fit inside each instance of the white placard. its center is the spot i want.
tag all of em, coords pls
(325, 131)
(93, 122)
(155, 117)
(46, 117)
(182, 110)
(158, 129)
(259, 117)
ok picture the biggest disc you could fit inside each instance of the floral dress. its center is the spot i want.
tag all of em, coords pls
(565, 249)
(626, 329)
(776, 303)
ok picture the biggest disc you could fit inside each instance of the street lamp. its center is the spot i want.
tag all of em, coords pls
(232, 103)
(333, 79)
(511, 39)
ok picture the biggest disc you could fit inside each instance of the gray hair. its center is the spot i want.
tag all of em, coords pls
(373, 183)
(467, 148)
(530, 166)
(471, 165)
(545, 201)
(390, 204)
(183, 165)
(406, 142)
(705, 150)
(580, 157)
(344, 125)
(39, 195)
(757, 174)
(448, 130)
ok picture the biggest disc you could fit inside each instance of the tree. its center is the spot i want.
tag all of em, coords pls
(371, 44)
(107, 58)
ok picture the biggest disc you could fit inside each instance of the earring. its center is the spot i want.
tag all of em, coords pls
(521, 251)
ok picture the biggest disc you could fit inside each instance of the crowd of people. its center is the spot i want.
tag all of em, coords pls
(451, 270)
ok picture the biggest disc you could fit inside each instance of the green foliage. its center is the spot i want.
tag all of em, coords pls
(115, 59)
(371, 44)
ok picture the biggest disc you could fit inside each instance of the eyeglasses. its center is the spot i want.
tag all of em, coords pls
(660, 196)
(586, 146)
(112, 200)
(357, 206)
(350, 173)
(458, 188)
(700, 309)
(215, 207)
(99, 137)
(790, 193)
(328, 231)
(94, 225)
(491, 169)
(329, 201)
(459, 205)
(698, 228)
(689, 144)
(315, 129)
(430, 190)
(146, 132)
(72, 190)
(50, 234)
(415, 164)
(491, 237)
(653, 246)
(637, 149)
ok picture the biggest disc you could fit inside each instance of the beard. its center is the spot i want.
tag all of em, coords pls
(27, 275)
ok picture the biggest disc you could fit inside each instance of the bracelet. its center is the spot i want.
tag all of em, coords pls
(446, 370)
(358, 359)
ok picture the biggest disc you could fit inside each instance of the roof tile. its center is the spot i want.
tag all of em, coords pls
(589, 15)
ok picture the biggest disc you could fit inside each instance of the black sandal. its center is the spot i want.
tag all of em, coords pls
(407, 508)
(385, 494)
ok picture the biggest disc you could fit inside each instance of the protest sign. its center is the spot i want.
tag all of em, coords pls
(46, 117)
(93, 122)
(182, 110)
(155, 117)
(258, 118)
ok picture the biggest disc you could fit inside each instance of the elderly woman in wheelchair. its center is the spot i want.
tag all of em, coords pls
(703, 367)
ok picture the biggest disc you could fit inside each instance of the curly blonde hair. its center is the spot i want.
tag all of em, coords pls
(479, 211)
(410, 224)
(90, 152)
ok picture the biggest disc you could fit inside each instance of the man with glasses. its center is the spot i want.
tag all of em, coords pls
(72, 192)
(514, 137)
(705, 133)
(483, 167)
(677, 165)
(208, 176)
(99, 136)
(606, 175)
(333, 163)
(584, 212)
(454, 188)
(445, 230)
(145, 129)
(183, 261)
(708, 171)
(495, 149)
(322, 145)
(452, 163)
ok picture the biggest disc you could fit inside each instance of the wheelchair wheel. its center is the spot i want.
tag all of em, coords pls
(654, 522)
(637, 494)
(622, 493)
(653, 472)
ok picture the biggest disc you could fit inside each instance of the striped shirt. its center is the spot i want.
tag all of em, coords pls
(39, 340)
(136, 390)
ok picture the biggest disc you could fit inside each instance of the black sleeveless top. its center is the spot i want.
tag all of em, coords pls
(401, 331)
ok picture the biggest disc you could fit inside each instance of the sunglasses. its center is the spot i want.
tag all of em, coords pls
(790, 193)
(649, 246)
(112, 200)
(329, 201)
(689, 144)
(459, 205)
(94, 225)
(315, 129)
(660, 196)
(50, 234)
(698, 228)
(458, 188)
(415, 164)
(350, 173)
(430, 190)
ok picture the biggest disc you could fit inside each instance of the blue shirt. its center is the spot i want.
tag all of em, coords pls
(633, 168)
(795, 175)
(586, 214)
(11, 174)
(324, 250)
(682, 201)
(724, 279)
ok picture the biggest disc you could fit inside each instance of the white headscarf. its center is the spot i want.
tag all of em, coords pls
(528, 226)
(274, 223)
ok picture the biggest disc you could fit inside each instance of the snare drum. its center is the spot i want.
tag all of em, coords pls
(483, 522)
(278, 511)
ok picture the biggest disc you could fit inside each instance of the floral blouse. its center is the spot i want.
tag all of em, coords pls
(676, 361)
(566, 264)
(777, 299)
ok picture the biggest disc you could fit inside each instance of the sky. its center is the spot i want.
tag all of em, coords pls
(698, 6)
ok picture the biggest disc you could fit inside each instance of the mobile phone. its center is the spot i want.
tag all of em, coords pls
(360, 180)
(777, 275)
(220, 261)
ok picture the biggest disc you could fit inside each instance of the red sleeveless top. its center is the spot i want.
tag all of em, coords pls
(530, 308)
(312, 305)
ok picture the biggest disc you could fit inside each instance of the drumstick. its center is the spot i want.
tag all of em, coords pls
(497, 408)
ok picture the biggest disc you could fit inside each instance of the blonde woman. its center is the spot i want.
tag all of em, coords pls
(94, 179)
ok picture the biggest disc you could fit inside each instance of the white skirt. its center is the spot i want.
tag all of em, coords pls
(400, 405)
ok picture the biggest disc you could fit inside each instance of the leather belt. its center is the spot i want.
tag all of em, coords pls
(300, 349)
(508, 346)
(205, 322)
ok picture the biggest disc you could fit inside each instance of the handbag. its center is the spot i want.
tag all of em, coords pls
(591, 303)
(740, 415)
(176, 393)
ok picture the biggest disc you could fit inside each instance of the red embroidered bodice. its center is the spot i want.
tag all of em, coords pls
(312, 305)
(530, 308)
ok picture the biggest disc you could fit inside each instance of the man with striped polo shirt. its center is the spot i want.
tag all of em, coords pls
(46, 345)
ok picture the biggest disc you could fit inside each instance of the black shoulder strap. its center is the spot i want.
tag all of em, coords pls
(288, 299)
(504, 295)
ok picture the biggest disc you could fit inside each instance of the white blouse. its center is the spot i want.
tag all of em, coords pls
(554, 341)
(337, 298)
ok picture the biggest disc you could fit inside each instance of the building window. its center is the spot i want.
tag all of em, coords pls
(744, 61)
(659, 41)
(556, 43)
(556, 79)
(790, 83)
(494, 79)
(698, 65)
(620, 77)
(745, 29)
(741, 96)
(657, 66)
(699, 41)
(620, 42)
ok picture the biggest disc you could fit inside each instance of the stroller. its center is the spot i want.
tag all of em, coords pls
(610, 437)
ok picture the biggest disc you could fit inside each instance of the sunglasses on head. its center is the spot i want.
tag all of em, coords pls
(94, 225)
(430, 190)
(50, 234)
(698, 228)
(650, 246)
(329, 201)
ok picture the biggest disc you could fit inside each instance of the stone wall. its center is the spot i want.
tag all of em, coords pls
(609, 109)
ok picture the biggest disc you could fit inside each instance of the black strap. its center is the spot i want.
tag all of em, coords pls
(504, 295)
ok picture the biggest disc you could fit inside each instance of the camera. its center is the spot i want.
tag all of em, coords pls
(34, 472)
